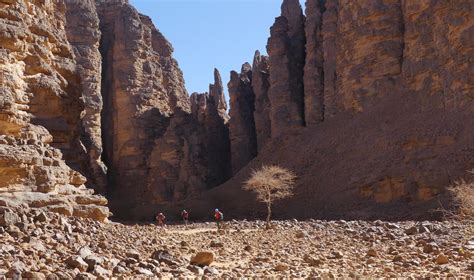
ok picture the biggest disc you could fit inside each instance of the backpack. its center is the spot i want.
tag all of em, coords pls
(219, 216)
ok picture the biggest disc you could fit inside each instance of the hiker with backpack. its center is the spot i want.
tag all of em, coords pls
(218, 217)
(160, 218)
(185, 216)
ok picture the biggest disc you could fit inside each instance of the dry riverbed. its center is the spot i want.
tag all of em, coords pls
(45, 245)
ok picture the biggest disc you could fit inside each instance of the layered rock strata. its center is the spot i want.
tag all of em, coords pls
(82, 30)
(40, 110)
(104, 91)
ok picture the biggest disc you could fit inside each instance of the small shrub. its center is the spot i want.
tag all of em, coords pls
(462, 194)
(271, 183)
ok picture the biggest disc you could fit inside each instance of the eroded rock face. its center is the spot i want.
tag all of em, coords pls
(161, 146)
(286, 50)
(40, 112)
(82, 29)
(243, 139)
(261, 85)
(313, 69)
(386, 121)
(375, 97)
(104, 91)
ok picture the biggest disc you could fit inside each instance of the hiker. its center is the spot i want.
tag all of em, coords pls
(218, 217)
(185, 216)
(160, 218)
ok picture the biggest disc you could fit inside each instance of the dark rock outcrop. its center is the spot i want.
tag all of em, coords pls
(243, 139)
(386, 122)
(261, 85)
(142, 89)
(313, 70)
(286, 50)
(162, 147)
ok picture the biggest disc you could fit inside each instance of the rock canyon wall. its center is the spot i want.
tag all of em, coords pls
(91, 87)
(41, 154)
(370, 103)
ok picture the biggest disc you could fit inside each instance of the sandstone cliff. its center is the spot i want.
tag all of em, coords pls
(242, 125)
(95, 81)
(82, 30)
(376, 120)
(371, 104)
(157, 149)
(260, 85)
(40, 108)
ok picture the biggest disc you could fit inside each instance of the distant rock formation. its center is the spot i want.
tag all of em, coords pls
(370, 103)
(156, 146)
(261, 85)
(243, 139)
(286, 50)
(104, 90)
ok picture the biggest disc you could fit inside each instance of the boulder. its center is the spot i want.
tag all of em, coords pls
(203, 258)
(77, 262)
(8, 217)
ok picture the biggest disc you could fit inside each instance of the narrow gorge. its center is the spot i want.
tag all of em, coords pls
(371, 105)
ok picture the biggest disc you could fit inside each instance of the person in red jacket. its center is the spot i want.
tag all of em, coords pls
(218, 217)
(160, 218)
(185, 216)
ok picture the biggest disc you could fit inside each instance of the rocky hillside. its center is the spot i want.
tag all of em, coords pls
(371, 105)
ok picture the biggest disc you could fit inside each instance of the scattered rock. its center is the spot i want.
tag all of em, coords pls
(41, 217)
(133, 254)
(216, 244)
(33, 275)
(165, 257)
(312, 261)
(430, 248)
(77, 262)
(301, 234)
(397, 258)
(196, 269)
(8, 217)
(101, 272)
(411, 230)
(143, 271)
(203, 259)
(281, 267)
(211, 270)
(441, 259)
(372, 252)
(336, 255)
(83, 252)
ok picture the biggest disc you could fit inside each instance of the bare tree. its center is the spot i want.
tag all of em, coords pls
(271, 183)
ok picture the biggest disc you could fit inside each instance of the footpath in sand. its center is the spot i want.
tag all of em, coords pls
(44, 245)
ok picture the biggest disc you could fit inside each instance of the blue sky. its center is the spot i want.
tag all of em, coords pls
(208, 34)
